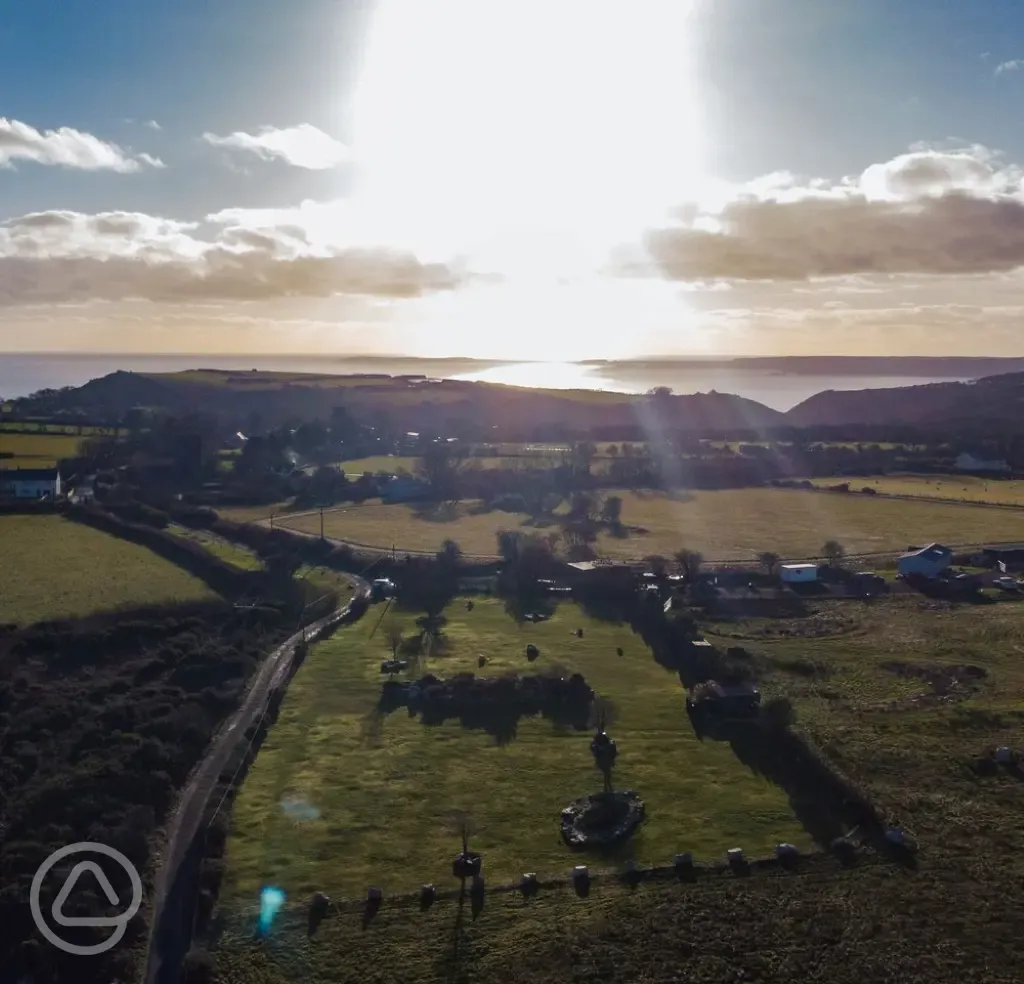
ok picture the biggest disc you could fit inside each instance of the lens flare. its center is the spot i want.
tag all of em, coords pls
(271, 900)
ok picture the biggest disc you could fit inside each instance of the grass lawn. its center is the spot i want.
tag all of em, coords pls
(37, 450)
(53, 568)
(968, 488)
(951, 919)
(386, 787)
(734, 524)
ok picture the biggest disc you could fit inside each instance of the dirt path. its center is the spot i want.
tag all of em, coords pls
(175, 883)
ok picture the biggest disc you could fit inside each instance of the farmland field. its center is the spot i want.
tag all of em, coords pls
(862, 695)
(53, 568)
(968, 488)
(36, 450)
(385, 786)
(726, 525)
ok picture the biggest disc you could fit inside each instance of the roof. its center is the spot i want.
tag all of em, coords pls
(799, 567)
(934, 551)
(28, 474)
(601, 565)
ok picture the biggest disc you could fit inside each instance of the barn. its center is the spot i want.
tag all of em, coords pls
(928, 561)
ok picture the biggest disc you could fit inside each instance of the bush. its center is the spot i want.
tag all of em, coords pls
(511, 502)
(778, 714)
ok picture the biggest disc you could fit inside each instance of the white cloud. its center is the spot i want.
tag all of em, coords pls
(303, 146)
(1013, 65)
(65, 256)
(152, 125)
(66, 147)
(925, 212)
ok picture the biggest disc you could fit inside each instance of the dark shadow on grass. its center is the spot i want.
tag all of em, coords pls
(450, 963)
(494, 705)
(519, 606)
(824, 803)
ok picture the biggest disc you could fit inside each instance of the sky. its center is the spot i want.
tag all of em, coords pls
(512, 179)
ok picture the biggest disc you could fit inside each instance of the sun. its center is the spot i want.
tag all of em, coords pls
(526, 137)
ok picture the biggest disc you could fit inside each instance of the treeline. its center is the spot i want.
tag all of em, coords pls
(101, 721)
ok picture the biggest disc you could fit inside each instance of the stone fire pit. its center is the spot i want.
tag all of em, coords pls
(601, 819)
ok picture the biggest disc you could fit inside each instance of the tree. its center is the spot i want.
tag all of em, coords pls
(769, 560)
(583, 454)
(834, 551)
(449, 555)
(611, 510)
(581, 507)
(439, 468)
(309, 438)
(509, 542)
(393, 636)
(657, 564)
(689, 563)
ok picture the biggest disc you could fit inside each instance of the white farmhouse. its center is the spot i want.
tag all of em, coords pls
(30, 483)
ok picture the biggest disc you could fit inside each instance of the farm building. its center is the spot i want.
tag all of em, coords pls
(1010, 557)
(602, 573)
(928, 561)
(798, 573)
(30, 483)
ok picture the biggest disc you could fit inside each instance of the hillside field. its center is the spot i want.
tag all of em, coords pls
(734, 524)
(36, 450)
(385, 786)
(54, 568)
(858, 678)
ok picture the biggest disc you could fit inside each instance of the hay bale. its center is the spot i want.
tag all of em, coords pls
(1004, 755)
(580, 876)
(428, 893)
(529, 885)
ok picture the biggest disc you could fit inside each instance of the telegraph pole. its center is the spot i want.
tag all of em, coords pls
(321, 522)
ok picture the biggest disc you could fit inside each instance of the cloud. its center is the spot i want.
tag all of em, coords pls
(152, 125)
(925, 212)
(66, 147)
(1009, 66)
(303, 146)
(64, 256)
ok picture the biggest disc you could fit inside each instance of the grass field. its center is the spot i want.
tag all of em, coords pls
(231, 553)
(53, 568)
(37, 450)
(245, 559)
(968, 488)
(938, 923)
(386, 786)
(726, 525)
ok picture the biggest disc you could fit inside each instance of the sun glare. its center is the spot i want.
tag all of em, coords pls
(528, 137)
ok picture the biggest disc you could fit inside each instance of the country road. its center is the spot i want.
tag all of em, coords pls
(175, 884)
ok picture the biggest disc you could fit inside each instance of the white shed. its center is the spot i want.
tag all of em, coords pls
(798, 573)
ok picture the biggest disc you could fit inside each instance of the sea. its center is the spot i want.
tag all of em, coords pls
(22, 374)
